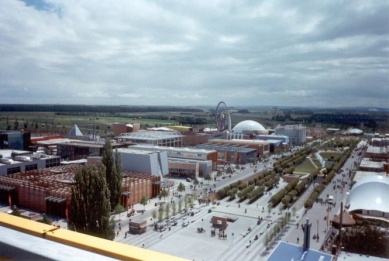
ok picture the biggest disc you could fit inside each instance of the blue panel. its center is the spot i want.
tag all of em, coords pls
(289, 252)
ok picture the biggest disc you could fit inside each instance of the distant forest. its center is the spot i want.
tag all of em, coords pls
(91, 108)
(372, 121)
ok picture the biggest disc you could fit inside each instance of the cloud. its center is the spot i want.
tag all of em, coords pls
(194, 53)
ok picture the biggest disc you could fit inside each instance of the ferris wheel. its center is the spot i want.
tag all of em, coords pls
(222, 117)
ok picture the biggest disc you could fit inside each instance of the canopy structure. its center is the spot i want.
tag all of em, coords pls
(347, 220)
(370, 194)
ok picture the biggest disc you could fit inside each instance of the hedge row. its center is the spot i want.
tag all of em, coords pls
(300, 187)
(327, 180)
(256, 193)
(243, 193)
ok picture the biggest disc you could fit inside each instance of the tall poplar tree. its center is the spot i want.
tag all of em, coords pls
(113, 173)
(89, 210)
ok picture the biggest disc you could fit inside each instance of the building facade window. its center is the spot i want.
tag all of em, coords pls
(31, 167)
(52, 162)
(13, 170)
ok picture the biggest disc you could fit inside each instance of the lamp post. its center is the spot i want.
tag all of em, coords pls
(317, 232)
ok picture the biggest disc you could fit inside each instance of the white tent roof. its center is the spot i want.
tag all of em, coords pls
(354, 131)
(370, 193)
(75, 131)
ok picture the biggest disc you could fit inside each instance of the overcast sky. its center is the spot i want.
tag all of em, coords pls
(129, 52)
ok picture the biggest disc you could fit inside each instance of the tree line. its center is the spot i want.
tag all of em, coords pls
(91, 109)
(95, 194)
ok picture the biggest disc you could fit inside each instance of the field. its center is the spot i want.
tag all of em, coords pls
(305, 167)
(51, 123)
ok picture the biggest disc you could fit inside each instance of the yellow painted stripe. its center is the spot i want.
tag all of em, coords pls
(89, 243)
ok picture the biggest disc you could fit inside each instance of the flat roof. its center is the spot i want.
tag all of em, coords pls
(362, 174)
(178, 149)
(135, 151)
(376, 150)
(371, 164)
(225, 147)
(150, 135)
(8, 153)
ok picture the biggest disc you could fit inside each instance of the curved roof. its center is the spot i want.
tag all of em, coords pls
(355, 131)
(249, 126)
(370, 193)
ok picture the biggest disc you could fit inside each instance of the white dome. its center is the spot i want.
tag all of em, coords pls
(249, 126)
(370, 193)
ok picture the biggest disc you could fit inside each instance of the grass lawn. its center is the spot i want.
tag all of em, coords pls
(305, 167)
(52, 123)
(327, 155)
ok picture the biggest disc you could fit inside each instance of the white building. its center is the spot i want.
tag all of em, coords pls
(15, 161)
(297, 133)
(144, 161)
(184, 162)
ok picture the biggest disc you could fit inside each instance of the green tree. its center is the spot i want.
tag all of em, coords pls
(119, 209)
(180, 205)
(160, 214)
(143, 201)
(154, 215)
(174, 208)
(167, 211)
(45, 219)
(113, 173)
(208, 177)
(186, 201)
(219, 173)
(15, 210)
(164, 193)
(190, 201)
(181, 187)
(195, 182)
(89, 211)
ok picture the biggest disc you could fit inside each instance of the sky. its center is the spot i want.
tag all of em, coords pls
(195, 53)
